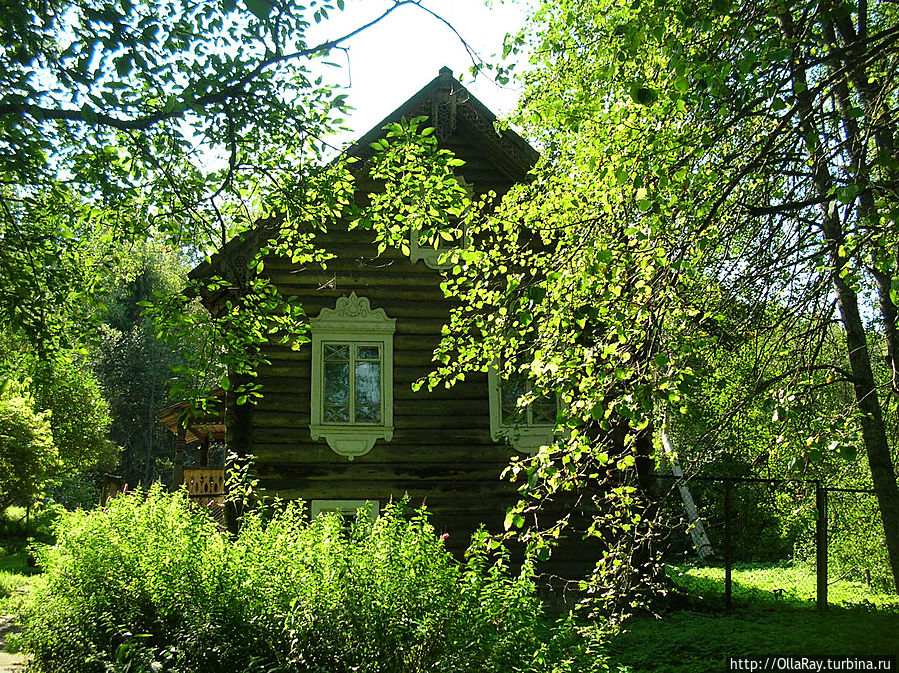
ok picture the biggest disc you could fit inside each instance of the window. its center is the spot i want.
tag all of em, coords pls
(424, 250)
(526, 428)
(348, 508)
(352, 376)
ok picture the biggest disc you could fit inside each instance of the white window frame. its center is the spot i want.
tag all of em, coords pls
(352, 321)
(426, 252)
(372, 507)
(431, 256)
(526, 437)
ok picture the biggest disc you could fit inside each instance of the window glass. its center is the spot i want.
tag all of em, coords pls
(356, 399)
(337, 386)
(541, 410)
(368, 391)
(510, 392)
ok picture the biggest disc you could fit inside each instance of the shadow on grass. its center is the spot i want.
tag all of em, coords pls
(774, 614)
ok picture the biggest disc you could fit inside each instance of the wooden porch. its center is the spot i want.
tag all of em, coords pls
(204, 482)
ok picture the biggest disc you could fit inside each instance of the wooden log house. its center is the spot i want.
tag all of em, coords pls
(339, 425)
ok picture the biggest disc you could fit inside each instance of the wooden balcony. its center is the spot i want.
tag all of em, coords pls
(205, 483)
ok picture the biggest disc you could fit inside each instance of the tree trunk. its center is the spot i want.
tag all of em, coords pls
(864, 385)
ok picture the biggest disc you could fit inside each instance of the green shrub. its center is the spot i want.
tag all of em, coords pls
(149, 582)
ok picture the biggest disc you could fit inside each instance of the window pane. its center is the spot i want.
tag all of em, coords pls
(337, 392)
(368, 353)
(336, 352)
(368, 392)
(543, 411)
(510, 392)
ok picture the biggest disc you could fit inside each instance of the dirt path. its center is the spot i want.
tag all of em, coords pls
(9, 662)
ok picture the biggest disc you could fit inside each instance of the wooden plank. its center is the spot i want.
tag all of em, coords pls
(490, 498)
(401, 342)
(352, 277)
(293, 363)
(456, 473)
(394, 305)
(421, 405)
(383, 452)
(413, 436)
(287, 385)
(290, 421)
(379, 490)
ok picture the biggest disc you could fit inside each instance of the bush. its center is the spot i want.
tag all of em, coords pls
(149, 582)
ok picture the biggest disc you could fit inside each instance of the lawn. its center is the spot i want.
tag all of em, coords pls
(774, 614)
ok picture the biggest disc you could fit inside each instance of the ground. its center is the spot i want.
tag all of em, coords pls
(774, 614)
(10, 662)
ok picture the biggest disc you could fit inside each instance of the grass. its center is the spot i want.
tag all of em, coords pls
(15, 573)
(776, 585)
(16, 531)
(774, 614)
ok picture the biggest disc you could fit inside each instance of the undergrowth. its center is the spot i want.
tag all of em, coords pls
(149, 583)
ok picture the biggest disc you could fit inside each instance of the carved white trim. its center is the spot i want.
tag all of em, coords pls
(371, 507)
(352, 321)
(523, 436)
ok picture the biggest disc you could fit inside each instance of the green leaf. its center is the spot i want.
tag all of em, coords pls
(644, 95)
(88, 114)
(260, 8)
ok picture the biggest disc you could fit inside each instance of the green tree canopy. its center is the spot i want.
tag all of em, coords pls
(697, 157)
(28, 457)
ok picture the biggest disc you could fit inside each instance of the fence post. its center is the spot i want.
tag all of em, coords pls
(727, 551)
(821, 544)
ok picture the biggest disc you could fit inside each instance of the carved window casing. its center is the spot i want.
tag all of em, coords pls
(349, 509)
(352, 376)
(425, 251)
(526, 428)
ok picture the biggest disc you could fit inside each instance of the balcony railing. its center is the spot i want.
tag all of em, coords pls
(204, 482)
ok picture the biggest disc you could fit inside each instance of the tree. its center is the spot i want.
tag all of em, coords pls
(699, 153)
(696, 156)
(180, 121)
(28, 457)
(61, 390)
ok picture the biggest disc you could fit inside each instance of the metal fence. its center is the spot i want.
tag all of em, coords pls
(746, 519)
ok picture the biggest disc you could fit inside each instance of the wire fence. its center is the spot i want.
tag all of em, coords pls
(732, 520)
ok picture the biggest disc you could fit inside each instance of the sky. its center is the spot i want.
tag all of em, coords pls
(389, 62)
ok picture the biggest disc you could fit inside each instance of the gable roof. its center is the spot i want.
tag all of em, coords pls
(464, 125)
(495, 158)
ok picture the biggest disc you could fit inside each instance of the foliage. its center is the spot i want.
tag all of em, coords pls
(716, 178)
(28, 456)
(61, 386)
(79, 415)
(181, 123)
(19, 528)
(20, 524)
(133, 366)
(150, 581)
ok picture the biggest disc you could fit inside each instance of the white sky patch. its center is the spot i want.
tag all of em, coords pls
(389, 62)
